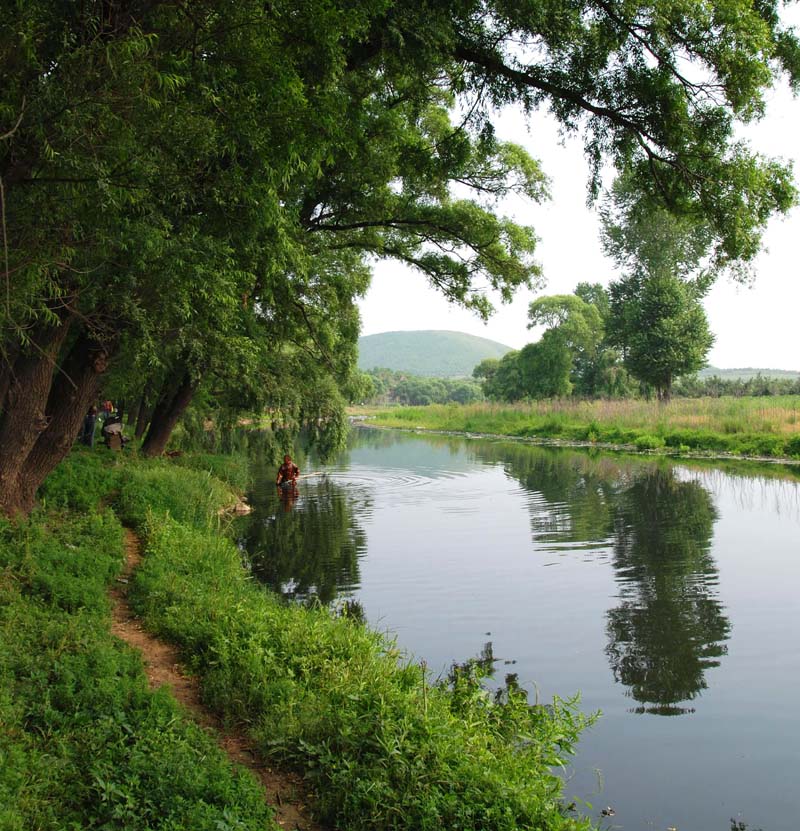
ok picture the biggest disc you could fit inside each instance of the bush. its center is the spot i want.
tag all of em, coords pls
(792, 447)
(647, 442)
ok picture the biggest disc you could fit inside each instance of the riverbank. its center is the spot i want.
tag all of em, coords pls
(763, 428)
(378, 742)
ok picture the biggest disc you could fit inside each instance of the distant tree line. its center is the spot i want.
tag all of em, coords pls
(639, 335)
(715, 387)
(386, 386)
(574, 356)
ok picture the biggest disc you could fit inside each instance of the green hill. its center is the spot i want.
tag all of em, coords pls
(428, 353)
(746, 373)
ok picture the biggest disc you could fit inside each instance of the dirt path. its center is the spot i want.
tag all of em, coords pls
(285, 792)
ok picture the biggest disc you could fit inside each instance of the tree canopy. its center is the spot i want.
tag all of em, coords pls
(656, 317)
(661, 327)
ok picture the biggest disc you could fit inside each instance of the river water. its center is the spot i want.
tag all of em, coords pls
(667, 594)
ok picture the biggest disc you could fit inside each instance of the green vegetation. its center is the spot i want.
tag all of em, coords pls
(747, 427)
(387, 387)
(748, 374)
(634, 338)
(737, 385)
(573, 355)
(427, 353)
(83, 743)
(381, 743)
(655, 313)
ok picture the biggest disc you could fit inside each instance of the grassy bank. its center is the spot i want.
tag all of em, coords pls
(380, 743)
(83, 742)
(741, 426)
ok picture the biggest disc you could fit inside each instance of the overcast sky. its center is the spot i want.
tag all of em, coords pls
(754, 326)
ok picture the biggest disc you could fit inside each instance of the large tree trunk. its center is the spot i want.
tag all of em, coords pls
(74, 389)
(23, 418)
(171, 405)
(7, 358)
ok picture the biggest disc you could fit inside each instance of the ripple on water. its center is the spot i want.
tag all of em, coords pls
(395, 484)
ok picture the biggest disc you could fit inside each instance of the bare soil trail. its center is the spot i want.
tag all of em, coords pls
(285, 792)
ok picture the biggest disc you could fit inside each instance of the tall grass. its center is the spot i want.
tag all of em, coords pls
(191, 496)
(744, 426)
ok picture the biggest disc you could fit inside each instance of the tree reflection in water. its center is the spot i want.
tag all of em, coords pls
(669, 627)
(308, 544)
(573, 494)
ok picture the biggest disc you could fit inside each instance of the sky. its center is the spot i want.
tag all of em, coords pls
(754, 326)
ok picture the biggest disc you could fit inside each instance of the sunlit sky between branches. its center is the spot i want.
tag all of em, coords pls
(754, 326)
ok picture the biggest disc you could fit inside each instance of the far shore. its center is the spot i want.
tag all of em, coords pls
(765, 430)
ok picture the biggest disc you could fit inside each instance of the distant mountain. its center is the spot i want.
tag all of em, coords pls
(430, 353)
(745, 373)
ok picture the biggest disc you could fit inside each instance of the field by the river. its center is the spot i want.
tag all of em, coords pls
(757, 426)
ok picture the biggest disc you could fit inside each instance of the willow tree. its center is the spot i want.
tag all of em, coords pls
(172, 169)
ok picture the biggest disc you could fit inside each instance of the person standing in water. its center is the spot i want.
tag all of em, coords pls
(287, 474)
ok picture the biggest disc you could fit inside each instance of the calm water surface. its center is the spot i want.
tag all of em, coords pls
(667, 595)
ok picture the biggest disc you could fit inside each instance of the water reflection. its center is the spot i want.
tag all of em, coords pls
(307, 542)
(630, 613)
(669, 627)
(574, 494)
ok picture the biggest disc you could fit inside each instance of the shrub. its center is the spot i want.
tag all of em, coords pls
(792, 447)
(647, 442)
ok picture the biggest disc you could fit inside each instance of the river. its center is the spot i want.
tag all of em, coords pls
(667, 594)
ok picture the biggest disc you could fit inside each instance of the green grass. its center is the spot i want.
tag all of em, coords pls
(234, 469)
(83, 743)
(740, 426)
(191, 496)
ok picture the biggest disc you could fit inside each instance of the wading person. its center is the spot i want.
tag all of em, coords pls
(287, 474)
